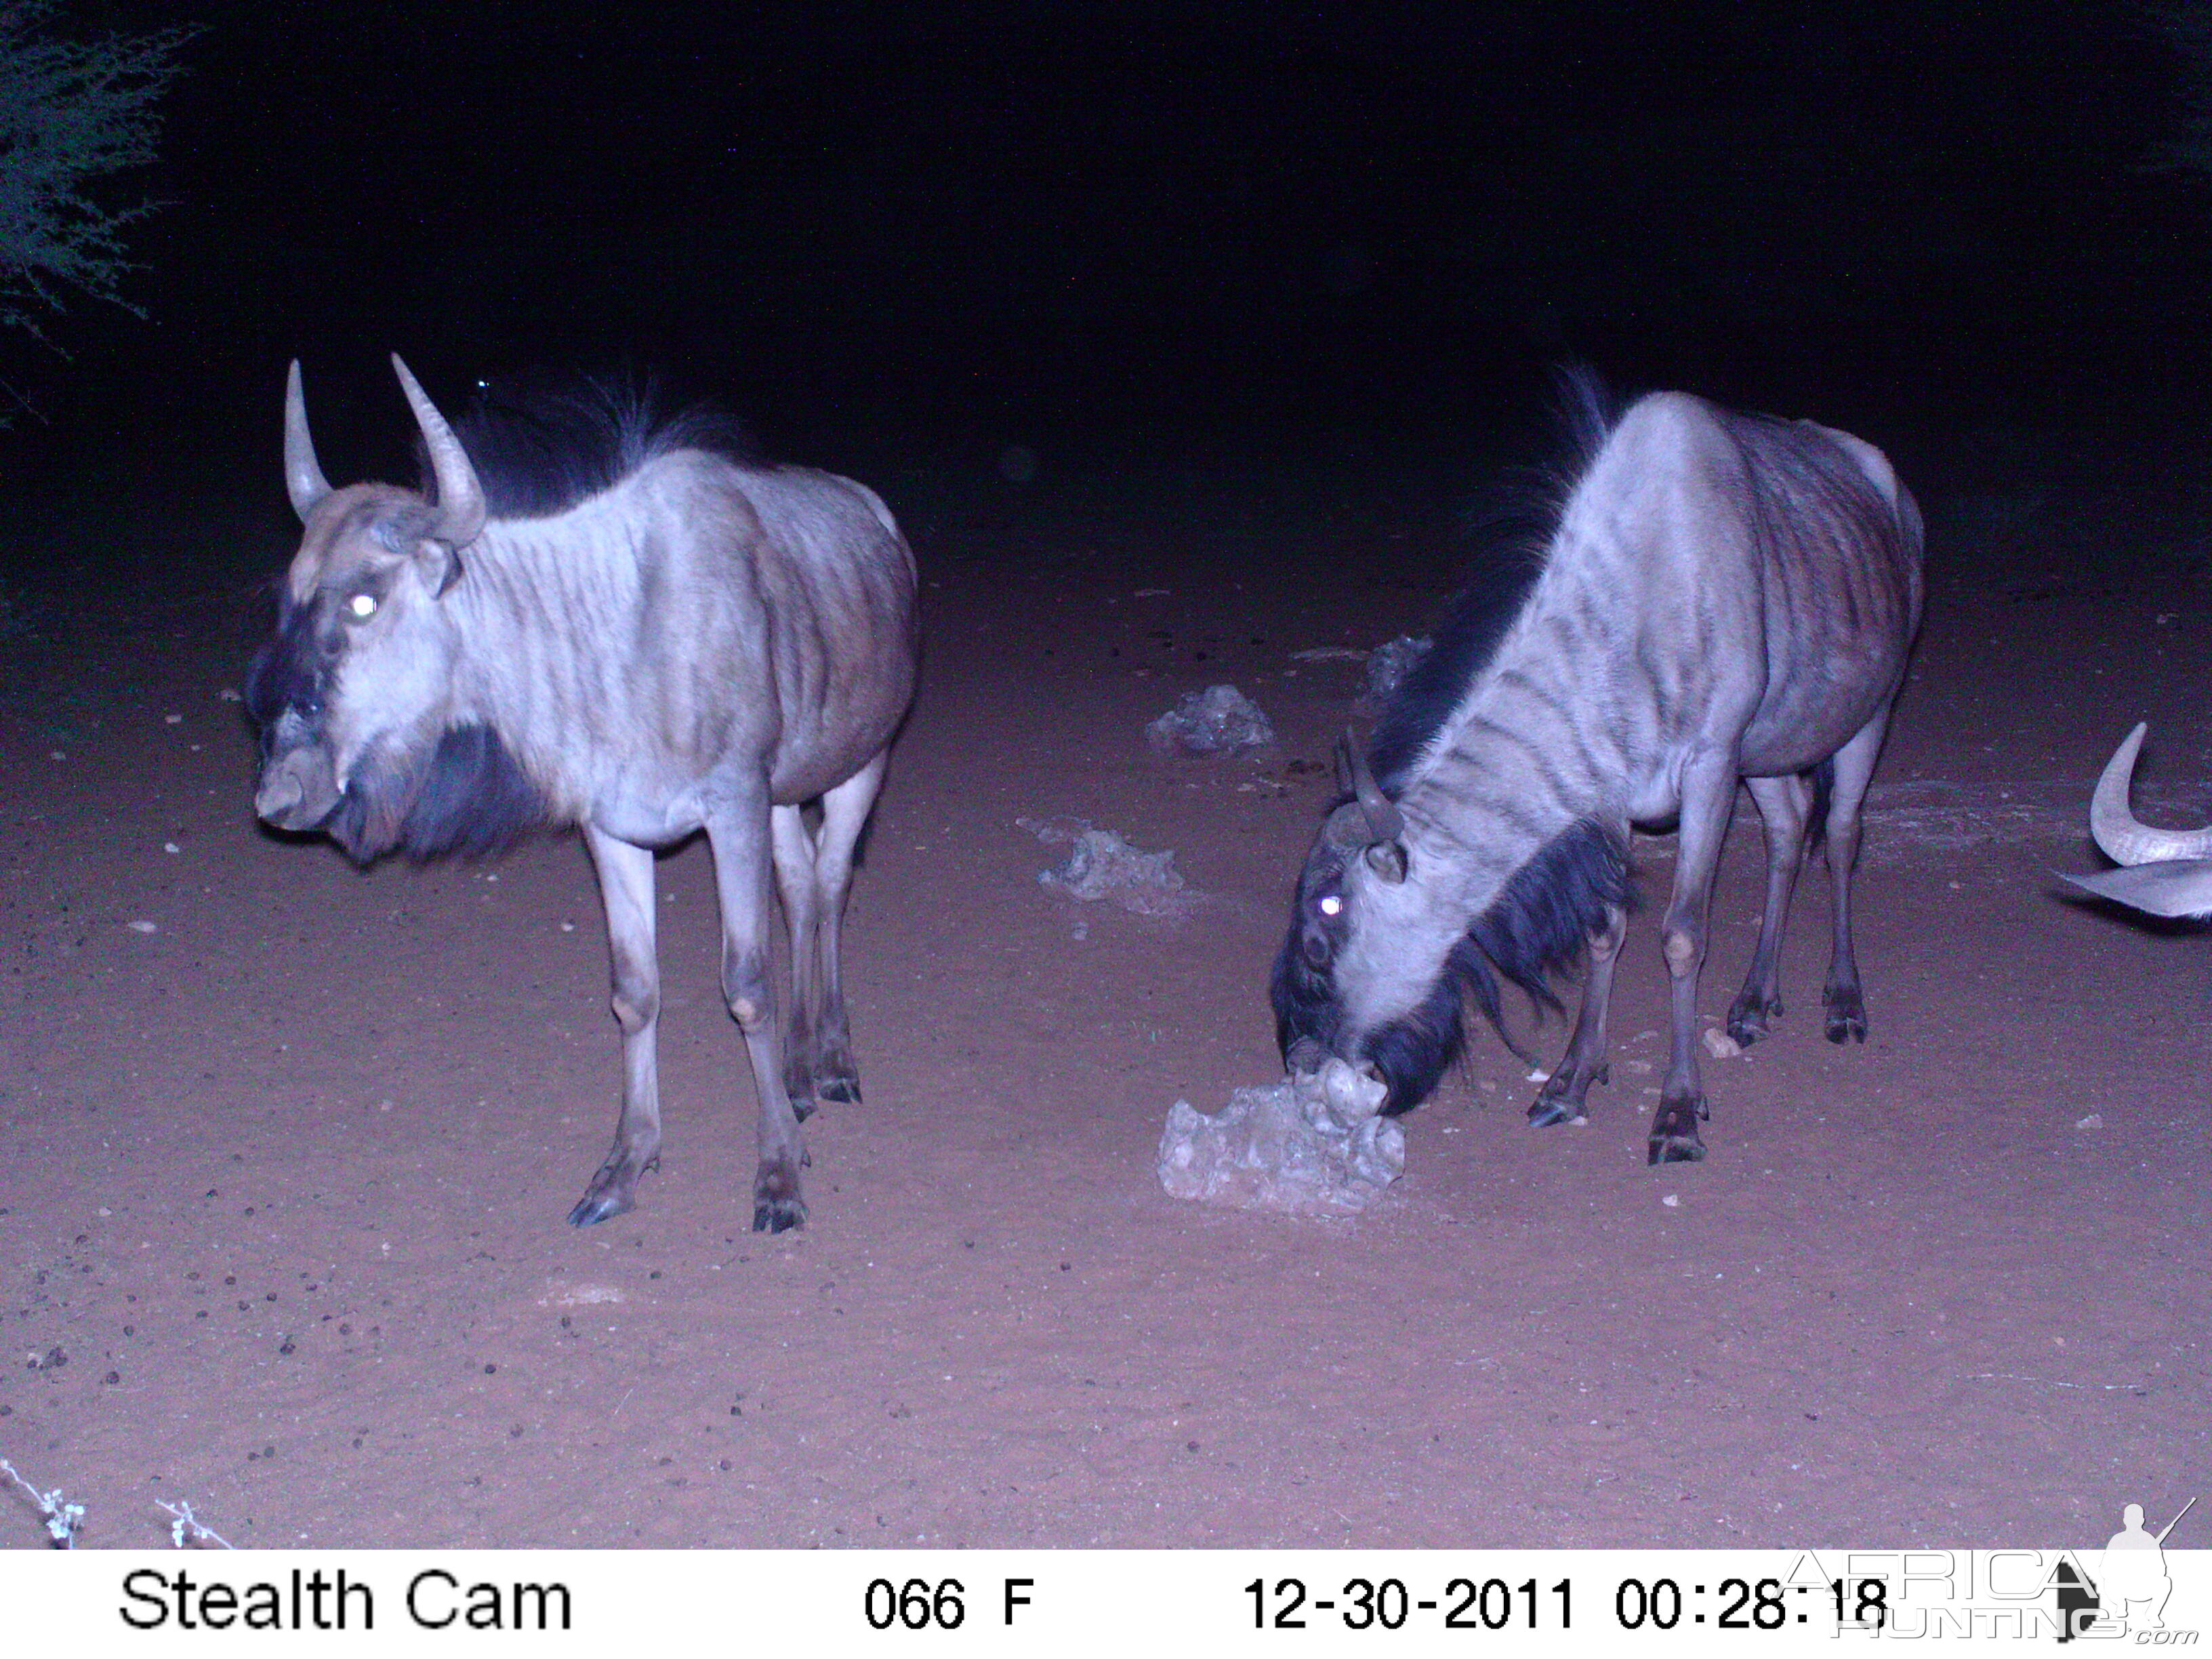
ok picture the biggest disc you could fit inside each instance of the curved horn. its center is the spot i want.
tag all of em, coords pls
(460, 497)
(1346, 828)
(1384, 821)
(2115, 826)
(303, 478)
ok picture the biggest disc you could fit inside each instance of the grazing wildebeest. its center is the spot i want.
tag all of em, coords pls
(2167, 872)
(642, 635)
(1722, 596)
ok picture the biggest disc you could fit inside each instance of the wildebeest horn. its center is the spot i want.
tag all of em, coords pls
(303, 478)
(460, 497)
(1384, 821)
(2115, 827)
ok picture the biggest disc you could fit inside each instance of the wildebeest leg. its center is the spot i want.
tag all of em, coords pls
(1708, 796)
(844, 812)
(738, 832)
(626, 889)
(1560, 1100)
(1854, 769)
(1782, 807)
(795, 884)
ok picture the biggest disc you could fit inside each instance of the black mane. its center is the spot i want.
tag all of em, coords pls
(541, 451)
(1514, 533)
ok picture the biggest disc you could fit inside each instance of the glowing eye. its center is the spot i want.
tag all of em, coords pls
(1331, 906)
(362, 605)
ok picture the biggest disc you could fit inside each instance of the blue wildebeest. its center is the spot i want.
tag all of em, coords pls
(635, 632)
(2167, 872)
(1722, 596)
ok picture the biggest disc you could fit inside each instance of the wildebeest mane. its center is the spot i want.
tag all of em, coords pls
(1537, 929)
(541, 451)
(1514, 529)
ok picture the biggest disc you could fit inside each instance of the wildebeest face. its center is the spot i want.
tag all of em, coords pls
(1362, 970)
(353, 693)
(1374, 963)
(355, 696)
(1302, 987)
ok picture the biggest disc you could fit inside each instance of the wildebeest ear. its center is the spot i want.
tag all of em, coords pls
(1387, 859)
(441, 565)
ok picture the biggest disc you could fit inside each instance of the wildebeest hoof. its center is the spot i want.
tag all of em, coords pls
(802, 1107)
(597, 1204)
(1846, 1018)
(1675, 1137)
(1560, 1099)
(1747, 1017)
(777, 1207)
(612, 1191)
(1675, 1148)
(845, 1090)
(778, 1215)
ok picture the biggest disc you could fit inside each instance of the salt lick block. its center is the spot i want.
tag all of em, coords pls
(1102, 866)
(1312, 1144)
(1219, 720)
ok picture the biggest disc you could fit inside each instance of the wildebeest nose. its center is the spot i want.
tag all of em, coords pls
(277, 796)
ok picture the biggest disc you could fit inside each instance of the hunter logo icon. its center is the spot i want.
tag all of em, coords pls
(2131, 1585)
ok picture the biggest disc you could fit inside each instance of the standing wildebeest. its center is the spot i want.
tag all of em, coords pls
(643, 641)
(1724, 596)
(2167, 872)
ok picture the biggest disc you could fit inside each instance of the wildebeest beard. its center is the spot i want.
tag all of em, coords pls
(467, 796)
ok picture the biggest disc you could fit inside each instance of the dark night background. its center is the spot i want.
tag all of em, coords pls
(898, 230)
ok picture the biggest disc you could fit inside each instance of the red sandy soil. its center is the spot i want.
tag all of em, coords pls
(281, 1207)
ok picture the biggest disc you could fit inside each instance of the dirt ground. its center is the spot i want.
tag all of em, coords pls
(288, 1145)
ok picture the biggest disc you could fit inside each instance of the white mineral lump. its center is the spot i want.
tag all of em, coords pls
(1219, 720)
(1389, 663)
(1102, 866)
(1312, 1144)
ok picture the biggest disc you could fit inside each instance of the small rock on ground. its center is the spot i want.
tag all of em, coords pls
(1219, 720)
